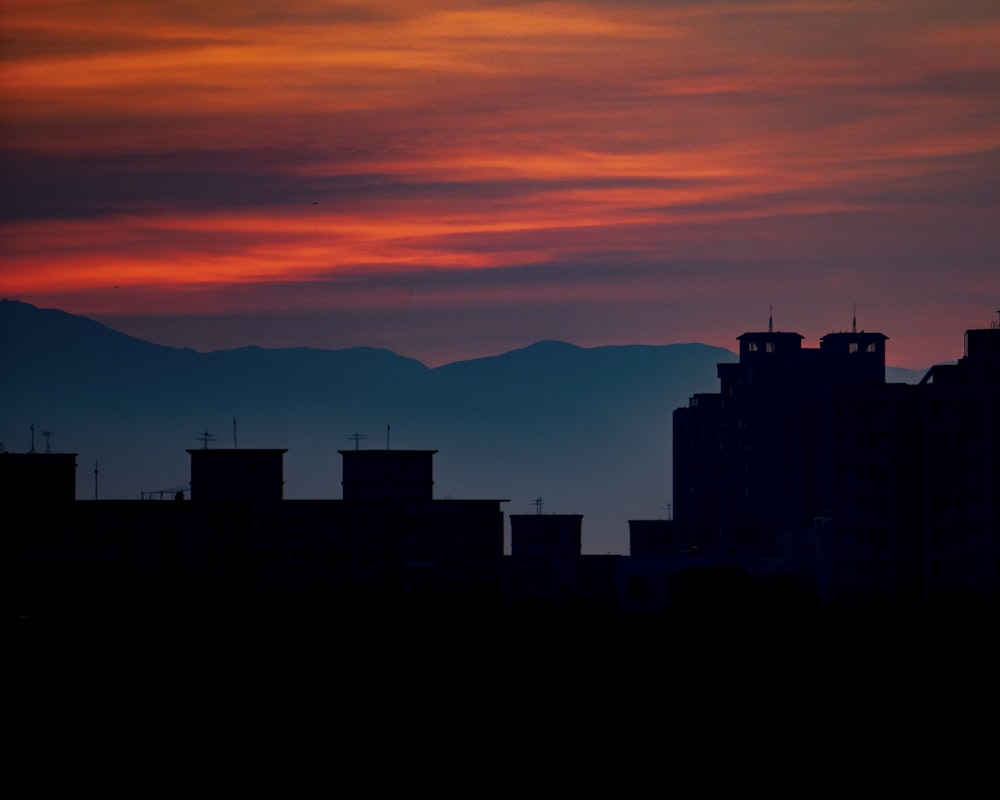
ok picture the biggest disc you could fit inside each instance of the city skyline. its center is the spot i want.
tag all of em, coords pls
(463, 181)
(805, 481)
(551, 416)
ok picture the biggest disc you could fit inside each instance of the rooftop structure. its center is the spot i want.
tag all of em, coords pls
(388, 474)
(232, 474)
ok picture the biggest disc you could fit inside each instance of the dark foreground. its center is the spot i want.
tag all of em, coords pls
(387, 680)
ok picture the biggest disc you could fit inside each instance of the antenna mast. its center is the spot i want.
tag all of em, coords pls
(47, 435)
(96, 472)
(357, 437)
(538, 505)
(854, 321)
(234, 433)
(387, 429)
(205, 438)
(32, 438)
(770, 318)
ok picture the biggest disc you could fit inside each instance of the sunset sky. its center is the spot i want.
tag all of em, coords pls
(457, 179)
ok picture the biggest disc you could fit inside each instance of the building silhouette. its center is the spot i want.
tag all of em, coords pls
(960, 499)
(806, 479)
(807, 463)
(226, 474)
(387, 546)
(34, 480)
(545, 556)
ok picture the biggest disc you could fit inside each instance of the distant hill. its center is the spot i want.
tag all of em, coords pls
(586, 429)
(903, 375)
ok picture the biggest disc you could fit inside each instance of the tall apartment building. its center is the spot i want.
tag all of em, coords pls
(960, 501)
(898, 484)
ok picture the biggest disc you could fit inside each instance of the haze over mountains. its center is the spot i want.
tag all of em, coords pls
(586, 429)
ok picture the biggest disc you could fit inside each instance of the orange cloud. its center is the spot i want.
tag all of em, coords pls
(186, 145)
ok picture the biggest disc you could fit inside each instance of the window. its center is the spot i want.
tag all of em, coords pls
(752, 347)
(852, 347)
(770, 347)
(870, 348)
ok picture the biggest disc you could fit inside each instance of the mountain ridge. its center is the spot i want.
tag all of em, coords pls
(7, 304)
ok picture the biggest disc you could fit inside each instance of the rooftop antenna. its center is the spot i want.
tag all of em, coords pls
(205, 438)
(387, 429)
(357, 437)
(32, 438)
(47, 435)
(234, 433)
(996, 323)
(96, 473)
(538, 505)
(669, 508)
(854, 321)
(770, 319)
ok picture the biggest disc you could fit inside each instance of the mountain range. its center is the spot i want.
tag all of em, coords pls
(587, 430)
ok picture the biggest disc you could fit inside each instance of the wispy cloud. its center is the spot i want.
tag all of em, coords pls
(668, 149)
